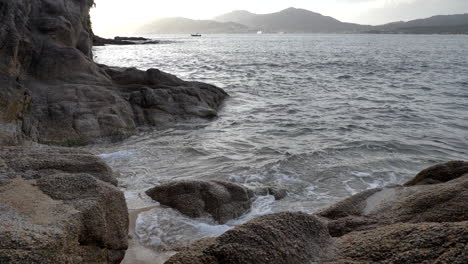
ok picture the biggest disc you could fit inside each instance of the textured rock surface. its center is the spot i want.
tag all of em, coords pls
(282, 238)
(51, 91)
(440, 173)
(59, 206)
(423, 222)
(222, 200)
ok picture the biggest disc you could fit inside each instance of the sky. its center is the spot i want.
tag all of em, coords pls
(112, 17)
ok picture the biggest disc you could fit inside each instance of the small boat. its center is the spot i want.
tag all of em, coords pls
(196, 35)
(259, 32)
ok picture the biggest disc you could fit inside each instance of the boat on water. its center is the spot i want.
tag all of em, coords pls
(259, 32)
(196, 35)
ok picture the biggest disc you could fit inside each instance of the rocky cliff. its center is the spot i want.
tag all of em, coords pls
(51, 91)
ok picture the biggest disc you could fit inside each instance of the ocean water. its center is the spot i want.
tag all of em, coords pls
(324, 116)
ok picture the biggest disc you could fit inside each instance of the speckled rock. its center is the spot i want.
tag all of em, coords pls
(222, 200)
(284, 238)
(59, 206)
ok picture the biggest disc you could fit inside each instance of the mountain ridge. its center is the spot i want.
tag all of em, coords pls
(297, 20)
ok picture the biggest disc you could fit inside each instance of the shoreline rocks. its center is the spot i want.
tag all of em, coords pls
(425, 221)
(223, 201)
(282, 238)
(98, 41)
(59, 205)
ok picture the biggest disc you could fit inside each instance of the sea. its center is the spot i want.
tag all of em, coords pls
(324, 116)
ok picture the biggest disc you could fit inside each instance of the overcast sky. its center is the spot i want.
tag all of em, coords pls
(122, 16)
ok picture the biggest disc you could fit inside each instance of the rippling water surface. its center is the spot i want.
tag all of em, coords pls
(324, 116)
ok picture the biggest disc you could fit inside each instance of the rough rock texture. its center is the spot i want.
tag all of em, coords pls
(283, 238)
(59, 206)
(440, 173)
(406, 243)
(51, 91)
(443, 202)
(222, 200)
(425, 221)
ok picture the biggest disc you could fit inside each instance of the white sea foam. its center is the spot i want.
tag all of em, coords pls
(165, 229)
(116, 155)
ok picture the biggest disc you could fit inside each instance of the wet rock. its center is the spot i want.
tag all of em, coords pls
(51, 90)
(277, 192)
(222, 200)
(444, 202)
(59, 206)
(278, 238)
(440, 173)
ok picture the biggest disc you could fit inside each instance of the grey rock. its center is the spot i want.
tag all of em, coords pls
(282, 238)
(51, 90)
(440, 173)
(222, 200)
(444, 202)
(59, 206)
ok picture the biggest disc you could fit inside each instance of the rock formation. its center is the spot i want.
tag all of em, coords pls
(283, 238)
(222, 200)
(51, 91)
(425, 221)
(59, 206)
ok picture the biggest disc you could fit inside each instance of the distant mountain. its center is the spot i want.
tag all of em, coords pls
(453, 24)
(179, 25)
(291, 20)
(238, 16)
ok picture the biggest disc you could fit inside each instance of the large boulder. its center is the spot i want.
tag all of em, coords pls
(221, 200)
(59, 206)
(51, 90)
(283, 238)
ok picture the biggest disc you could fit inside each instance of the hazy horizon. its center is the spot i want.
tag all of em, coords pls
(111, 17)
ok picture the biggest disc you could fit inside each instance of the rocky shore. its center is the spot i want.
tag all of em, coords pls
(63, 205)
(424, 221)
(60, 205)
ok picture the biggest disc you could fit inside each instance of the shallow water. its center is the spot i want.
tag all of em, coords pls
(324, 116)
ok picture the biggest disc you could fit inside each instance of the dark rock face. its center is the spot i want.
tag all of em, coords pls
(222, 200)
(59, 206)
(283, 238)
(51, 91)
(424, 222)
